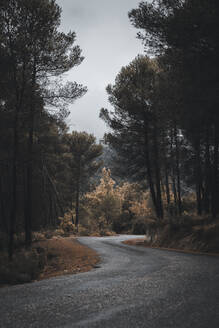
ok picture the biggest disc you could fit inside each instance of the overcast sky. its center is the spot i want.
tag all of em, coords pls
(108, 42)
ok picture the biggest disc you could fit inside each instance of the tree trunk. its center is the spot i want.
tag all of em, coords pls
(3, 220)
(148, 167)
(173, 173)
(52, 184)
(167, 187)
(19, 94)
(166, 178)
(198, 176)
(77, 205)
(207, 192)
(77, 195)
(215, 189)
(157, 175)
(179, 200)
(28, 216)
(72, 217)
(14, 187)
(29, 205)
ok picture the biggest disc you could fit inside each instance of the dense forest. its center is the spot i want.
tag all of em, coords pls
(159, 163)
(43, 165)
(165, 119)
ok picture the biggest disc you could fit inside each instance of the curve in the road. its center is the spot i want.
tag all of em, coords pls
(132, 287)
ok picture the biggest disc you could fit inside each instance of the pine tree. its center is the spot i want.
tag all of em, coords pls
(84, 153)
(36, 53)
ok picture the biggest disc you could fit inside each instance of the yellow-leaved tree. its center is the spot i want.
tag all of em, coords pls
(103, 204)
(144, 214)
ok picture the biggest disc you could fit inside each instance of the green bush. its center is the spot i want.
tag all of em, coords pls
(3, 241)
(25, 267)
(139, 227)
(66, 223)
(83, 231)
(123, 223)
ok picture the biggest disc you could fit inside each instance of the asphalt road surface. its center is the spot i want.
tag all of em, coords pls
(132, 287)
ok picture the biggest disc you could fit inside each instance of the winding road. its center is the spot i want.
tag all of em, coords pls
(131, 287)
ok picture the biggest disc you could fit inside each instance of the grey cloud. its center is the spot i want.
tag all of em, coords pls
(108, 42)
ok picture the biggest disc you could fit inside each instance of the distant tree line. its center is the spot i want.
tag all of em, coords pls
(41, 164)
(165, 122)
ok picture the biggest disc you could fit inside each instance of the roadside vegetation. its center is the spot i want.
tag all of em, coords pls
(52, 254)
(165, 121)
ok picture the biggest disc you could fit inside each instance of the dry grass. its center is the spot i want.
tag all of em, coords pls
(142, 242)
(191, 235)
(135, 242)
(66, 256)
(47, 258)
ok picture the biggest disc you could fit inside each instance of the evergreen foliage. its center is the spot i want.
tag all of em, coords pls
(34, 54)
(165, 119)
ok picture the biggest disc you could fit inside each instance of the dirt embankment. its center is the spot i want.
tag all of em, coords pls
(47, 258)
(193, 238)
(65, 256)
(143, 242)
